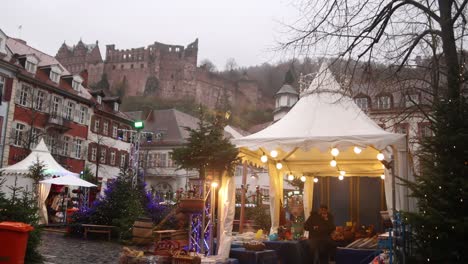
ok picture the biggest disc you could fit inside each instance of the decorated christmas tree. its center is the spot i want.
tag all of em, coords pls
(440, 225)
(207, 148)
(121, 204)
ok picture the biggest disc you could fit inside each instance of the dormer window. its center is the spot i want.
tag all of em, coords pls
(362, 102)
(75, 85)
(411, 100)
(54, 76)
(384, 102)
(116, 106)
(30, 66)
(99, 99)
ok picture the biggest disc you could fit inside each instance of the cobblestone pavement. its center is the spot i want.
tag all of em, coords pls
(59, 249)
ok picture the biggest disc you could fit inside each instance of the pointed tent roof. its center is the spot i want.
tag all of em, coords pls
(323, 118)
(41, 153)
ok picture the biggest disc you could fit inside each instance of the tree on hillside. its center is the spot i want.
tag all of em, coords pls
(121, 88)
(151, 85)
(208, 65)
(395, 31)
(103, 84)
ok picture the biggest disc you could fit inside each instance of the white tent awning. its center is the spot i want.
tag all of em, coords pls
(68, 180)
(41, 153)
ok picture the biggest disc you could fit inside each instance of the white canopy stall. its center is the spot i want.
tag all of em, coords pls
(52, 168)
(325, 118)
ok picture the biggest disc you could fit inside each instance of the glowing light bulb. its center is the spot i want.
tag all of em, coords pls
(357, 150)
(290, 177)
(382, 176)
(315, 180)
(214, 184)
(335, 152)
(274, 153)
(333, 163)
(342, 173)
(303, 178)
(279, 166)
(380, 156)
(264, 158)
(341, 177)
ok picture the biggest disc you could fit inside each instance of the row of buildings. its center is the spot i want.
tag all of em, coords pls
(42, 99)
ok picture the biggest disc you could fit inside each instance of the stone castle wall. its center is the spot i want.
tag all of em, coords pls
(174, 67)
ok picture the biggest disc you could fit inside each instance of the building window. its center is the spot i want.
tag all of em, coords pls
(83, 115)
(402, 128)
(131, 66)
(30, 66)
(55, 106)
(54, 76)
(114, 131)
(121, 66)
(102, 158)
(411, 100)
(99, 99)
(52, 145)
(69, 111)
(24, 94)
(78, 148)
(125, 136)
(76, 85)
(116, 106)
(105, 128)
(93, 154)
(39, 102)
(123, 159)
(362, 102)
(66, 143)
(35, 134)
(113, 67)
(96, 125)
(170, 162)
(2, 84)
(19, 130)
(112, 158)
(384, 102)
(142, 65)
(425, 130)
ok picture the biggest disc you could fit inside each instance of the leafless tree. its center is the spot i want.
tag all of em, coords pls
(392, 31)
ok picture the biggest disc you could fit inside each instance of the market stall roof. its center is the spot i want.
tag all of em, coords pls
(41, 153)
(68, 180)
(325, 117)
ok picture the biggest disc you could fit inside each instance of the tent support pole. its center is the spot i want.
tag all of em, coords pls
(243, 190)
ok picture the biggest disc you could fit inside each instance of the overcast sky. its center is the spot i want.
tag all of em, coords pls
(246, 30)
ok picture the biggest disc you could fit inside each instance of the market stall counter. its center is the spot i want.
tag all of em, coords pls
(254, 257)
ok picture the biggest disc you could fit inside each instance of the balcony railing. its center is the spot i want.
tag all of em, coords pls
(57, 121)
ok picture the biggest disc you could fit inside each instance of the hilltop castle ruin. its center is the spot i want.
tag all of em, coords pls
(162, 70)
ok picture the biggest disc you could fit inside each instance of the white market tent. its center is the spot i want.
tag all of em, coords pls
(52, 168)
(325, 117)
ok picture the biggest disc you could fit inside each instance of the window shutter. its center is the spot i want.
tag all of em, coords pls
(108, 154)
(18, 94)
(91, 124)
(117, 158)
(90, 147)
(8, 89)
(84, 150)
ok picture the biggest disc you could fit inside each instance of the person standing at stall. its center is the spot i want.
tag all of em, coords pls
(320, 226)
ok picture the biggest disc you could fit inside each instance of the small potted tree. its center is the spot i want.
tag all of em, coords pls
(208, 152)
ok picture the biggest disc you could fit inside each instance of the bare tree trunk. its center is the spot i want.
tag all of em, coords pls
(450, 49)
